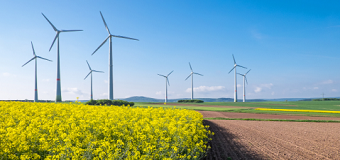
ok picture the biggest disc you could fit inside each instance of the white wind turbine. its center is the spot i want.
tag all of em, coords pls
(192, 81)
(244, 90)
(58, 96)
(166, 85)
(36, 85)
(110, 56)
(91, 77)
(235, 86)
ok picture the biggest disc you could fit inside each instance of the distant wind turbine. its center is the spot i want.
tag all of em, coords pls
(166, 85)
(192, 81)
(244, 90)
(36, 85)
(110, 56)
(91, 77)
(235, 86)
(58, 96)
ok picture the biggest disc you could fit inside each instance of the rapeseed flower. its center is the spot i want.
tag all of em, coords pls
(77, 131)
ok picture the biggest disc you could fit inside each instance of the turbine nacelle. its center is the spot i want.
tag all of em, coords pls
(110, 35)
(244, 75)
(35, 56)
(166, 77)
(192, 72)
(57, 31)
(91, 70)
(236, 65)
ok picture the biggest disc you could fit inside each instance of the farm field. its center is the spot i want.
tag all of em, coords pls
(270, 134)
(249, 107)
(273, 140)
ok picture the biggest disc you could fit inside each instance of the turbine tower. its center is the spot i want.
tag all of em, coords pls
(110, 56)
(235, 86)
(244, 90)
(166, 85)
(36, 85)
(58, 96)
(192, 81)
(91, 77)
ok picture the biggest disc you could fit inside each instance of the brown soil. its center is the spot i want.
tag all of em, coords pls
(273, 140)
(212, 114)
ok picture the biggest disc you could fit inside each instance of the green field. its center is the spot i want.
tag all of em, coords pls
(250, 106)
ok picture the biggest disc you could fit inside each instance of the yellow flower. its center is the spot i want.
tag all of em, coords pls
(75, 131)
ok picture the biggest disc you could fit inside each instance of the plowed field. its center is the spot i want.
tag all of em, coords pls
(273, 140)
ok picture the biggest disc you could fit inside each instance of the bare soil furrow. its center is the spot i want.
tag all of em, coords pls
(311, 145)
(286, 144)
(309, 141)
(274, 140)
(226, 146)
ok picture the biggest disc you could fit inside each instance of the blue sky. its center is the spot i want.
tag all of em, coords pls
(292, 48)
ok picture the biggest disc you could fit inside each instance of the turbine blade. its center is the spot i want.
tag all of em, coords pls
(88, 65)
(28, 61)
(88, 75)
(162, 75)
(234, 59)
(247, 72)
(33, 49)
(188, 76)
(232, 69)
(70, 30)
(44, 58)
(98, 71)
(124, 37)
(100, 45)
(168, 81)
(169, 73)
(107, 28)
(190, 67)
(198, 74)
(240, 74)
(56, 36)
(241, 66)
(246, 79)
(55, 29)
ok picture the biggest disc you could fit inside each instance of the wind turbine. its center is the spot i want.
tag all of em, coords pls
(58, 97)
(244, 90)
(36, 85)
(166, 85)
(91, 77)
(235, 86)
(192, 81)
(110, 56)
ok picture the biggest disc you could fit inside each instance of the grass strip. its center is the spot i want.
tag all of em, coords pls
(280, 120)
(296, 110)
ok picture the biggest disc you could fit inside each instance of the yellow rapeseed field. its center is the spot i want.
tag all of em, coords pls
(296, 110)
(77, 131)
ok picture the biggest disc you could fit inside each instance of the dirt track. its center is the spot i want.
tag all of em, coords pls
(273, 140)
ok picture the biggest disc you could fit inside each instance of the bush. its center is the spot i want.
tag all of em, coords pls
(91, 102)
(190, 101)
(327, 99)
(109, 102)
